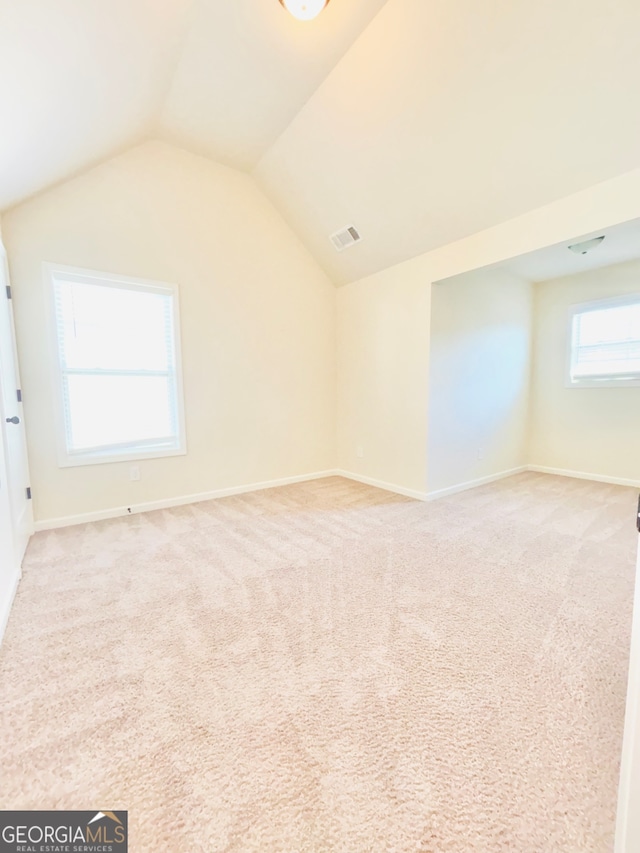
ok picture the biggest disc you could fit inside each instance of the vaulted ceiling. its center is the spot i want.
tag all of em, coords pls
(84, 79)
(418, 121)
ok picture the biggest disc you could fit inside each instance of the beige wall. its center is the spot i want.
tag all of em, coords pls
(383, 365)
(383, 329)
(587, 430)
(257, 316)
(258, 326)
(479, 377)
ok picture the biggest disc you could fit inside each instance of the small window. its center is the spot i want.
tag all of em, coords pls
(118, 375)
(605, 343)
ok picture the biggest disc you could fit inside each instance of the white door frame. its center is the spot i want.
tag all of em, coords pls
(23, 533)
(10, 575)
(628, 819)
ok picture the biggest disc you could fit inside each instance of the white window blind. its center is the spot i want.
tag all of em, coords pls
(118, 368)
(605, 342)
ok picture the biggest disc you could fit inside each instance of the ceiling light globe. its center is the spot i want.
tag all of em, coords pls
(304, 10)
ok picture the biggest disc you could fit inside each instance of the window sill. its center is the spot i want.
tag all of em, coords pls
(603, 383)
(78, 460)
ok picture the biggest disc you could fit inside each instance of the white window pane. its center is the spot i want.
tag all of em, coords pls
(605, 343)
(608, 358)
(114, 328)
(621, 323)
(111, 410)
(119, 367)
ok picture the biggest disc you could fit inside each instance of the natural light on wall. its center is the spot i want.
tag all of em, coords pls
(605, 343)
(118, 377)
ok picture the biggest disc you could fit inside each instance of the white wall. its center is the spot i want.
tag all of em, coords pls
(257, 313)
(586, 430)
(479, 377)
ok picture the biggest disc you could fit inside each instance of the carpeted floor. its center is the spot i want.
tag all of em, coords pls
(329, 667)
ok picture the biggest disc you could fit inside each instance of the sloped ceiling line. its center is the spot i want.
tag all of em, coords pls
(419, 121)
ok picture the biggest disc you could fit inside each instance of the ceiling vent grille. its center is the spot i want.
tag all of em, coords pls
(344, 238)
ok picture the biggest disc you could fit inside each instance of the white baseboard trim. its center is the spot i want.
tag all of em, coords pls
(7, 600)
(472, 484)
(381, 484)
(582, 475)
(149, 506)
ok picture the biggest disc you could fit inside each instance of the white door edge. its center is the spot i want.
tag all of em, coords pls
(6, 600)
(628, 817)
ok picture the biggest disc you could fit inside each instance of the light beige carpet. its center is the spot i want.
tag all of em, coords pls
(329, 667)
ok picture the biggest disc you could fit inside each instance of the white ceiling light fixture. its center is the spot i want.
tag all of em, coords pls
(586, 246)
(304, 10)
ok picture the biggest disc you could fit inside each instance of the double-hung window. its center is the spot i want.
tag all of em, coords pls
(117, 367)
(604, 345)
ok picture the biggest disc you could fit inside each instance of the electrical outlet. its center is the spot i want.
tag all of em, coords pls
(134, 472)
(360, 451)
(480, 453)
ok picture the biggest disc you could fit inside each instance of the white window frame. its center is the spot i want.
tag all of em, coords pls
(67, 459)
(594, 305)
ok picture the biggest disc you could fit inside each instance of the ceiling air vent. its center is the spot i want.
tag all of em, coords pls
(344, 238)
